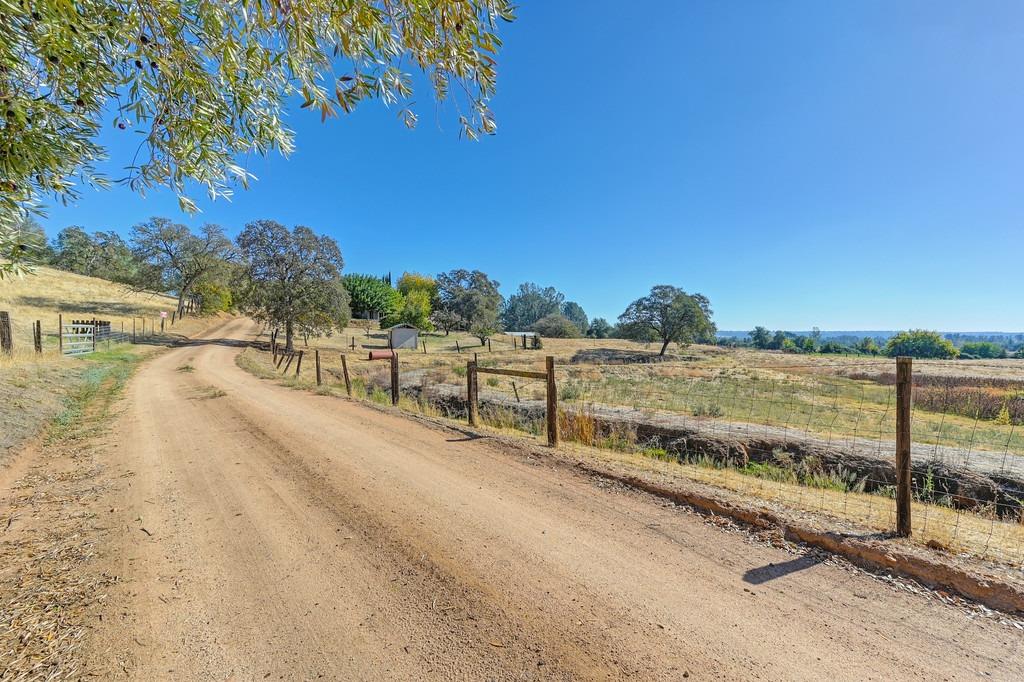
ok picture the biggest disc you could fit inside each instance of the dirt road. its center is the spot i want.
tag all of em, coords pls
(273, 533)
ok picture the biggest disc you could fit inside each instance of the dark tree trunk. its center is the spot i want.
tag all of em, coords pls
(289, 335)
(664, 346)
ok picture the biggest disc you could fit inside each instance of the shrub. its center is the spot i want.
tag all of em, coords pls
(569, 391)
(982, 349)
(833, 347)
(556, 327)
(214, 297)
(919, 343)
(708, 410)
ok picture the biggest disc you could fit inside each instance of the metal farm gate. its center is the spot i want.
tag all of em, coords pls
(81, 336)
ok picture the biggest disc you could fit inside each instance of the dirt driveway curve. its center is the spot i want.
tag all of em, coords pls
(273, 533)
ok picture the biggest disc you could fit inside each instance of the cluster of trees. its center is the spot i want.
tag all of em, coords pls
(545, 311)
(288, 278)
(159, 254)
(916, 343)
(464, 300)
(666, 315)
(292, 279)
(790, 342)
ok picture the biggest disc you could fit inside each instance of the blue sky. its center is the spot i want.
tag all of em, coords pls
(846, 165)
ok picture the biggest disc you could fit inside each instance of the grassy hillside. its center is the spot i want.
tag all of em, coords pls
(35, 389)
(49, 293)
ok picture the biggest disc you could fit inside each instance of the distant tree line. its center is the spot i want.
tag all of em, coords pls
(292, 279)
(916, 343)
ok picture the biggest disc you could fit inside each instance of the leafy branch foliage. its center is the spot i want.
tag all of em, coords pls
(203, 83)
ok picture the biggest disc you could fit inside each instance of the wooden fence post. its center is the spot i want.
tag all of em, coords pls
(37, 336)
(904, 404)
(162, 320)
(298, 365)
(94, 328)
(516, 391)
(288, 364)
(319, 380)
(424, 347)
(133, 330)
(457, 347)
(472, 397)
(6, 338)
(273, 350)
(344, 371)
(552, 402)
(489, 349)
(394, 378)
(60, 334)
(353, 343)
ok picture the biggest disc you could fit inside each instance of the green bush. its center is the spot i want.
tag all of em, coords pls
(369, 294)
(556, 327)
(833, 347)
(708, 410)
(982, 349)
(919, 343)
(569, 391)
(215, 297)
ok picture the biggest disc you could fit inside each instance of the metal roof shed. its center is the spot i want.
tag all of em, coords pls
(403, 336)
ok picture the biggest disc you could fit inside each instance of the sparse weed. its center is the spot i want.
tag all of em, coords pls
(707, 410)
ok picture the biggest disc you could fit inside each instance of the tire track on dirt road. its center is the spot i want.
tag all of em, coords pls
(297, 536)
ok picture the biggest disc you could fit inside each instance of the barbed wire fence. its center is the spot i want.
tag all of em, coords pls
(811, 436)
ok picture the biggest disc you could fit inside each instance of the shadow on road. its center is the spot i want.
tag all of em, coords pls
(762, 574)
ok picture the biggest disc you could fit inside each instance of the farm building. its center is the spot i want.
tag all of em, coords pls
(403, 336)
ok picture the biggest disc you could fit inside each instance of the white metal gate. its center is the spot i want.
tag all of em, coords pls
(80, 337)
(76, 338)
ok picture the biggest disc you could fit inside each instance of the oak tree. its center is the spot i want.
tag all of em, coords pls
(669, 314)
(295, 279)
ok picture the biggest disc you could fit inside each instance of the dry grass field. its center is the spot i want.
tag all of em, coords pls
(823, 396)
(36, 387)
(828, 396)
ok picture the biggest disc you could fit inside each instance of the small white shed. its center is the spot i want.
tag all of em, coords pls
(403, 336)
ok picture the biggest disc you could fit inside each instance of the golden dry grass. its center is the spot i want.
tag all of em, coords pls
(50, 293)
(809, 394)
(980, 535)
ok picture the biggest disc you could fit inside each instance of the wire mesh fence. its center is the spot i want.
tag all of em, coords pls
(813, 435)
